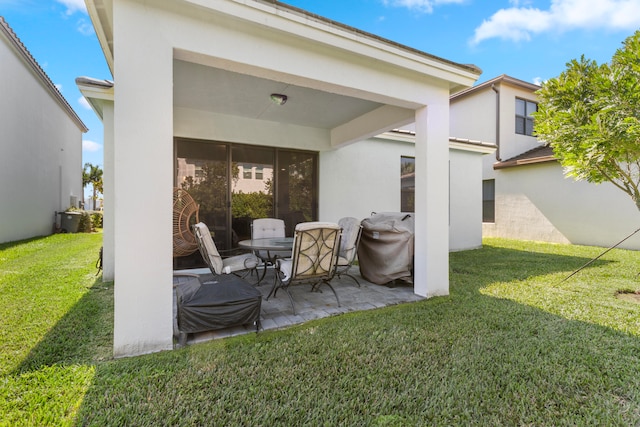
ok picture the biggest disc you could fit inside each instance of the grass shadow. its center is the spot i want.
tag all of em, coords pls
(9, 245)
(83, 336)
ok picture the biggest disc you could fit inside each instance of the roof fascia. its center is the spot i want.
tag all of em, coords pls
(101, 14)
(454, 143)
(96, 92)
(282, 17)
(524, 162)
(502, 79)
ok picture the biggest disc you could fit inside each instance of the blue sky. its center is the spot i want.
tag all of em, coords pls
(530, 40)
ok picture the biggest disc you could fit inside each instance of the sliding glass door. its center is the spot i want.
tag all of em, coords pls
(251, 189)
(236, 183)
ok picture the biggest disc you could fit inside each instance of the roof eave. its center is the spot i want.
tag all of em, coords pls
(460, 76)
(496, 80)
(97, 92)
(101, 14)
(524, 162)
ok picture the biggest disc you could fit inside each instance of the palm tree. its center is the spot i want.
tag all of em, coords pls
(92, 174)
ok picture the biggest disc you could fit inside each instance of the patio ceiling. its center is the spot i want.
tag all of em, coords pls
(214, 90)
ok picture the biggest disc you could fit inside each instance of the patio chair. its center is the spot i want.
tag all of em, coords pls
(315, 252)
(268, 227)
(351, 232)
(215, 262)
(185, 212)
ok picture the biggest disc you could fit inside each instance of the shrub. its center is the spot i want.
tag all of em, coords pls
(85, 225)
(96, 219)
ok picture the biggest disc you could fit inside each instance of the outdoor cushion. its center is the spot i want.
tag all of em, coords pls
(215, 260)
(350, 228)
(239, 262)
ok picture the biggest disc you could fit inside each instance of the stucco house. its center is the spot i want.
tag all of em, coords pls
(40, 148)
(525, 193)
(257, 83)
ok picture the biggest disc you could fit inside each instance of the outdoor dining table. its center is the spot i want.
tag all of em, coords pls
(276, 244)
(268, 244)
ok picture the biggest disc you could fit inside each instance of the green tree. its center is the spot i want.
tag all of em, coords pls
(92, 174)
(590, 115)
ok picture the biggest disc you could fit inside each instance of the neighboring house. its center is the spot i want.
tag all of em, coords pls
(206, 82)
(525, 193)
(40, 147)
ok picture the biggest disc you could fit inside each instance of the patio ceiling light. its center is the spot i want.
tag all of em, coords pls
(278, 98)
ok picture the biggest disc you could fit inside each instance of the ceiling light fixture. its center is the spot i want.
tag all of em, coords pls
(278, 98)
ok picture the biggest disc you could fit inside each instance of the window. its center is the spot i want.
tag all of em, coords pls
(407, 184)
(489, 200)
(524, 120)
(246, 171)
(259, 172)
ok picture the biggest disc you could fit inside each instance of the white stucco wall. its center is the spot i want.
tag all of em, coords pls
(536, 202)
(147, 40)
(40, 151)
(361, 178)
(465, 198)
(365, 177)
(473, 116)
(511, 143)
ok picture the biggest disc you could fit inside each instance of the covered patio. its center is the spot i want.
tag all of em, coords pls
(276, 312)
(205, 70)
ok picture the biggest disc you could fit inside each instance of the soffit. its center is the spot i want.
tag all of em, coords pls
(219, 91)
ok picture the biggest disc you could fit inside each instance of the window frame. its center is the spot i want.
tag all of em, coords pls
(526, 121)
(489, 200)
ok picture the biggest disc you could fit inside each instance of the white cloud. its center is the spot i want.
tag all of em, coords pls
(83, 101)
(520, 23)
(73, 6)
(85, 27)
(538, 81)
(58, 86)
(425, 6)
(90, 146)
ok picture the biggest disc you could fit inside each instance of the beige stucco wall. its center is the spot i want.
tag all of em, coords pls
(40, 151)
(537, 202)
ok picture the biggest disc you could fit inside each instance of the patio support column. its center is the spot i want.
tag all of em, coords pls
(143, 184)
(108, 248)
(431, 274)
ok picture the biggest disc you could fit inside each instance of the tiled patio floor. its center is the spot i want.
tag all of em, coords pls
(277, 313)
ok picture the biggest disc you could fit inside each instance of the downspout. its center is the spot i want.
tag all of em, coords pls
(497, 91)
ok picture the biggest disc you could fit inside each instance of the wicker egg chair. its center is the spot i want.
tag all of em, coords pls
(185, 214)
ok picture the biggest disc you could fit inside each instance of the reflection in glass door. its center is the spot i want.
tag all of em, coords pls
(296, 188)
(235, 183)
(202, 171)
(251, 188)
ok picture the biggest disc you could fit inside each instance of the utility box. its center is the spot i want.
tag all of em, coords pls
(69, 221)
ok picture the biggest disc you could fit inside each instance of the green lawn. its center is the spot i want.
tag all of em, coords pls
(512, 345)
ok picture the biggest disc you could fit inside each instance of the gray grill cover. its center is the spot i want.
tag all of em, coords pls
(226, 301)
(386, 247)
